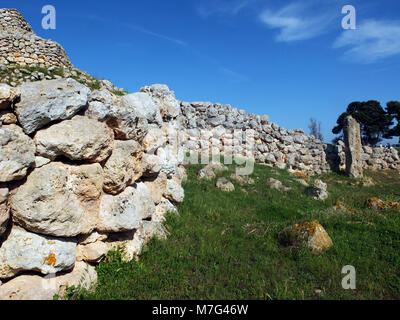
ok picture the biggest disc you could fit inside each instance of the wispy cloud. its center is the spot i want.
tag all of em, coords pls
(134, 28)
(232, 7)
(155, 34)
(299, 20)
(218, 66)
(371, 41)
(233, 75)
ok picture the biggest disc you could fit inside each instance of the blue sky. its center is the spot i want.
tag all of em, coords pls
(291, 60)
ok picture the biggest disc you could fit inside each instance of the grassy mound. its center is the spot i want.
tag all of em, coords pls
(225, 245)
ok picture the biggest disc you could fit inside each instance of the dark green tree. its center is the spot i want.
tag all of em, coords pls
(374, 121)
(393, 109)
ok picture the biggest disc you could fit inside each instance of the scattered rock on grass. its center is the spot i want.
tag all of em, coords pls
(318, 190)
(209, 171)
(225, 185)
(309, 234)
(242, 179)
(276, 184)
(378, 204)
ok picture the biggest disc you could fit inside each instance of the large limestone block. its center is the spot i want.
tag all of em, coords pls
(165, 99)
(162, 209)
(124, 119)
(174, 191)
(26, 251)
(151, 164)
(157, 187)
(170, 158)
(4, 210)
(92, 252)
(17, 153)
(352, 139)
(143, 105)
(125, 211)
(59, 200)
(153, 140)
(8, 95)
(133, 242)
(34, 287)
(46, 101)
(124, 166)
(79, 139)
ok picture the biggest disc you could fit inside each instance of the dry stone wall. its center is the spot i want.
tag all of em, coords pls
(19, 44)
(81, 172)
(214, 128)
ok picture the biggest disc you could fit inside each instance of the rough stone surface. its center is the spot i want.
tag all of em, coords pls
(4, 210)
(210, 170)
(352, 140)
(124, 118)
(59, 200)
(225, 185)
(174, 191)
(157, 187)
(133, 242)
(142, 104)
(17, 153)
(34, 287)
(79, 139)
(242, 179)
(92, 252)
(40, 161)
(8, 95)
(46, 101)
(162, 209)
(276, 184)
(165, 98)
(124, 166)
(125, 211)
(378, 204)
(7, 117)
(153, 140)
(309, 234)
(319, 190)
(26, 251)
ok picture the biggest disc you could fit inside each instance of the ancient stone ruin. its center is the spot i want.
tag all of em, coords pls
(83, 171)
(19, 44)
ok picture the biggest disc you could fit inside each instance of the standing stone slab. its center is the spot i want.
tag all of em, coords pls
(352, 139)
(46, 101)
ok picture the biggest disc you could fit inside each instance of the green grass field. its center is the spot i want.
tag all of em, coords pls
(224, 245)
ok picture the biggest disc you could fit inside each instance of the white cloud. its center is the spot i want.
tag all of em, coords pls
(371, 41)
(299, 21)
